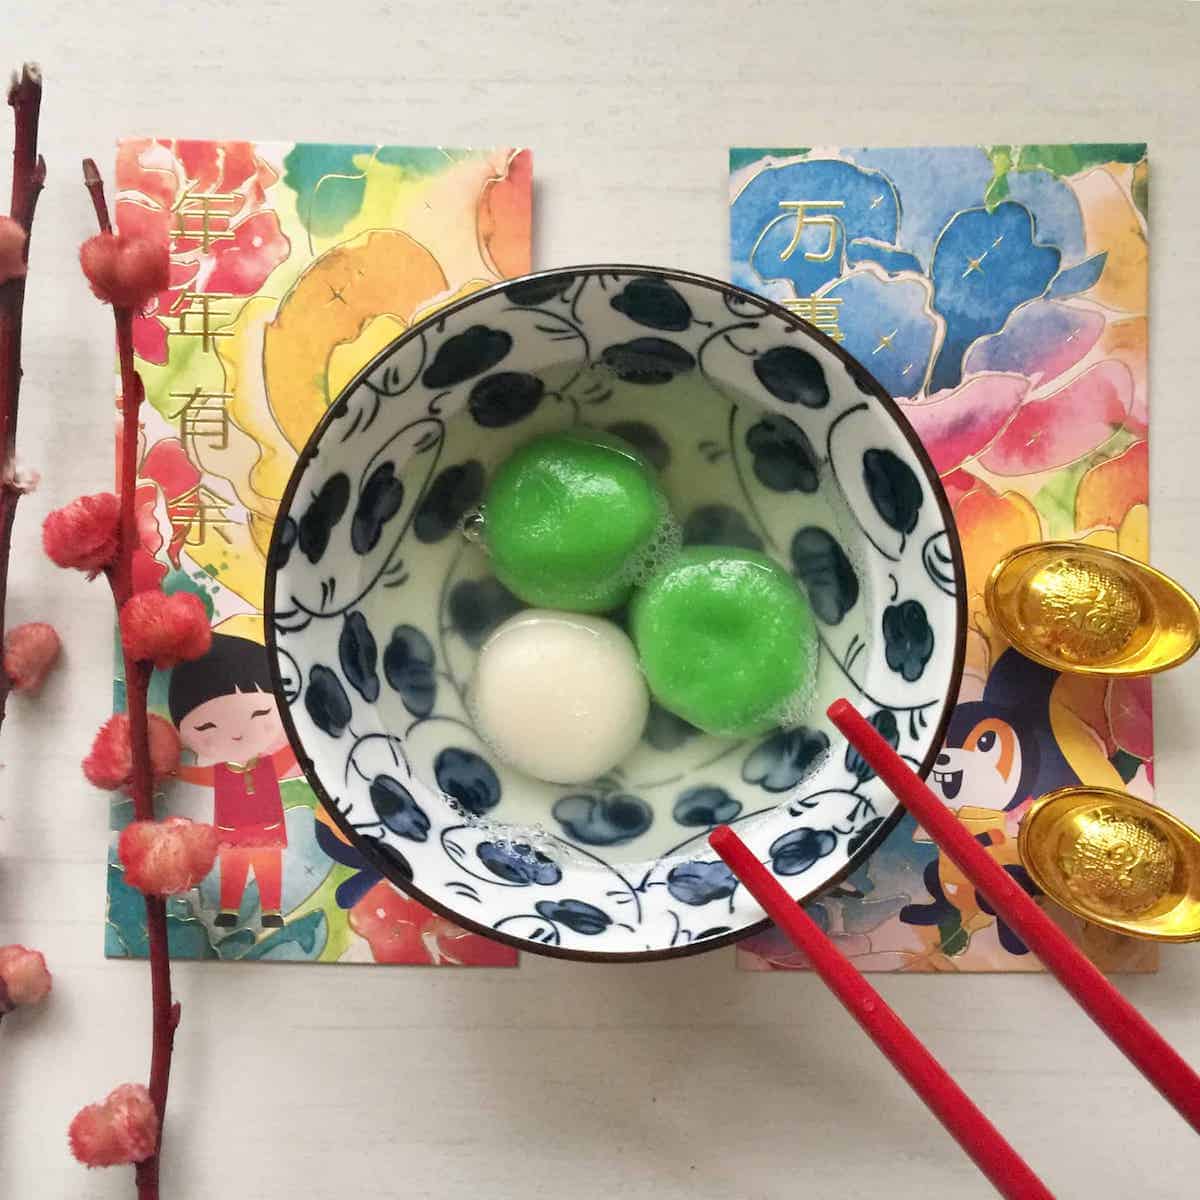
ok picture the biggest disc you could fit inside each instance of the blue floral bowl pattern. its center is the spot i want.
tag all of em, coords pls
(376, 606)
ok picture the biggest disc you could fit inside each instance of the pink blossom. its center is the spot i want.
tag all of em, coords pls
(164, 630)
(122, 1128)
(23, 977)
(123, 271)
(30, 651)
(109, 764)
(165, 857)
(84, 534)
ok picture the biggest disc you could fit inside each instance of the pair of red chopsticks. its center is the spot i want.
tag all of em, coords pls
(1145, 1047)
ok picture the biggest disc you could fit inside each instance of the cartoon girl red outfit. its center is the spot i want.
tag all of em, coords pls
(248, 814)
(227, 716)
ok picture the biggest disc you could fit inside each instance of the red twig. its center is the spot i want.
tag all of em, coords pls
(94, 182)
(29, 174)
(164, 1012)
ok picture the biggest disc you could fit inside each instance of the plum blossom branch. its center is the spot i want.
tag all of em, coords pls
(134, 749)
(29, 175)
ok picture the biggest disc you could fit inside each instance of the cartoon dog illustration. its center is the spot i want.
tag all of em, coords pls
(1000, 755)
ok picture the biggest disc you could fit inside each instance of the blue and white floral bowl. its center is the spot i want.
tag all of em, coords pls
(766, 435)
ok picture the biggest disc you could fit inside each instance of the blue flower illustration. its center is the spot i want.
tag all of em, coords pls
(819, 561)
(456, 490)
(653, 302)
(326, 701)
(885, 724)
(603, 820)
(796, 851)
(467, 778)
(719, 525)
(924, 251)
(893, 261)
(847, 202)
(784, 458)
(1057, 219)
(933, 183)
(477, 606)
(699, 882)
(575, 914)
(465, 355)
(396, 808)
(518, 863)
(358, 654)
(908, 639)
(408, 668)
(985, 264)
(319, 518)
(380, 500)
(646, 440)
(783, 759)
(705, 806)
(889, 327)
(1071, 280)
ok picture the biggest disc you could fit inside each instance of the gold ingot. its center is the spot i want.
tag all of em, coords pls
(1078, 608)
(1116, 861)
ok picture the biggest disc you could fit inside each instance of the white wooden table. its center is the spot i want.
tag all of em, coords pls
(687, 1080)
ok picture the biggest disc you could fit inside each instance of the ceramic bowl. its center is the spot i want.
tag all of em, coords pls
(765, 434)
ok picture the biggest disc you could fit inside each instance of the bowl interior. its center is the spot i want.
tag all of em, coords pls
(765, 436)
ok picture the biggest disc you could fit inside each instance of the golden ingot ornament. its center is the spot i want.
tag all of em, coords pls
(1078, 608)
(1116, 861)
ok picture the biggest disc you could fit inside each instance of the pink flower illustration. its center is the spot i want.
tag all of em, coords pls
(400, 930)
(207, 200)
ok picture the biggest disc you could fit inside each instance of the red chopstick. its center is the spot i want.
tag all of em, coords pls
(1009, 1173)
(1142, 1044)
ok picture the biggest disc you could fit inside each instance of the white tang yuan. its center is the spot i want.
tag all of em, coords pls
(558, 695)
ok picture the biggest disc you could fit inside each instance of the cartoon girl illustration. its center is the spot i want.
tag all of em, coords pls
(226, 714)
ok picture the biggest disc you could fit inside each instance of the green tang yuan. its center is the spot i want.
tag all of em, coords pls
(726, 639)
(571, 519)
